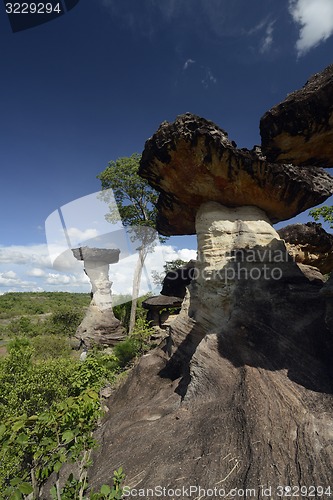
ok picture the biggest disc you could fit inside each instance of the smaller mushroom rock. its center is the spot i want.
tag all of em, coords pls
(157, 304)
(99, 325)
(299, 130)
(106, 255)
(192, 161)
(309, 244)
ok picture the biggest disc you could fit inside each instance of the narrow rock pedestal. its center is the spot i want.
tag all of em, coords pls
(99, 326)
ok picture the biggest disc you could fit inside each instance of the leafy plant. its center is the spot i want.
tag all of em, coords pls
(325, 213)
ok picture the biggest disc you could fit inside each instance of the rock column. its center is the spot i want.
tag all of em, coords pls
(233, 247)
(99, 325)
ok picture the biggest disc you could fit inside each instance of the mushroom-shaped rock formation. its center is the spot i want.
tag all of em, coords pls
(239, 395)
(99, 326)
(299, 130)
(309, 244)
(192, 161)
(159, 303)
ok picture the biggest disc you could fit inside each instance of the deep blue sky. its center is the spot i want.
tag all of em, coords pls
(94, 84)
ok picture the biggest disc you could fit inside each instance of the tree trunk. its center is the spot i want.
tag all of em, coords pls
(136, 286)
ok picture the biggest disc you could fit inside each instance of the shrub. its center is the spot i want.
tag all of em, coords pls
(51, 346)
(65, 321)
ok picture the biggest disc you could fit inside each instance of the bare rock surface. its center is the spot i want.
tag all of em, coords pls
(299, 130)
(192, 161)
(309, 244)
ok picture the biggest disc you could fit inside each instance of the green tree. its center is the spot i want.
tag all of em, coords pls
(170, 265)
(136, 205)
(325, 213)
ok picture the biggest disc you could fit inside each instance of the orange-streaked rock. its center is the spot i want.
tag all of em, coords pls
(192, 161)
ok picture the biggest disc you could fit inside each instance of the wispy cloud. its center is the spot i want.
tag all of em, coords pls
(315, 19)
(188, 63)
(267, 40)
(209, 78)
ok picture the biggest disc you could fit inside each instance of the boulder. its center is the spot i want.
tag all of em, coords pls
(99, 326)
(192, 161)
(309, 244)
(299, 130)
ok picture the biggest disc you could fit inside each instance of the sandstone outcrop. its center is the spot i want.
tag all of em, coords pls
(192, 161)
(99, 326)
(299, 130)
(309, 244)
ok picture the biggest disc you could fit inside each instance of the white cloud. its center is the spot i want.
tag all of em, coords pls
(78, 235)
(36, 272)
(66, 279)
(315, 18)
(19, 254)
(267, 41)
(11, 279)
(10, 275)
(188, 63)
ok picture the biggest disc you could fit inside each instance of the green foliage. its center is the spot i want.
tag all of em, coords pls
(170, 265)
(50, 347)
(325, 213)
(135, 344)
(27, 386)
(65, 320)
(48, 411)
(36, 303)
(122, 311)
(50, 405)
(45, 441)
(136, 200)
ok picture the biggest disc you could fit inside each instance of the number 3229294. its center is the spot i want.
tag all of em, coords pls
(32, 8)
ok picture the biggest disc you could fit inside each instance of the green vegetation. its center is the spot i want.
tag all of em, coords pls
(50, 401)
(325, 213)
(35, 303)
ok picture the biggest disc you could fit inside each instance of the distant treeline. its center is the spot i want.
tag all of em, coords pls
(22, 303)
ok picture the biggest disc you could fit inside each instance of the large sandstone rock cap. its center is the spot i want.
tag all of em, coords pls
(299, 130)
(192, 161)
